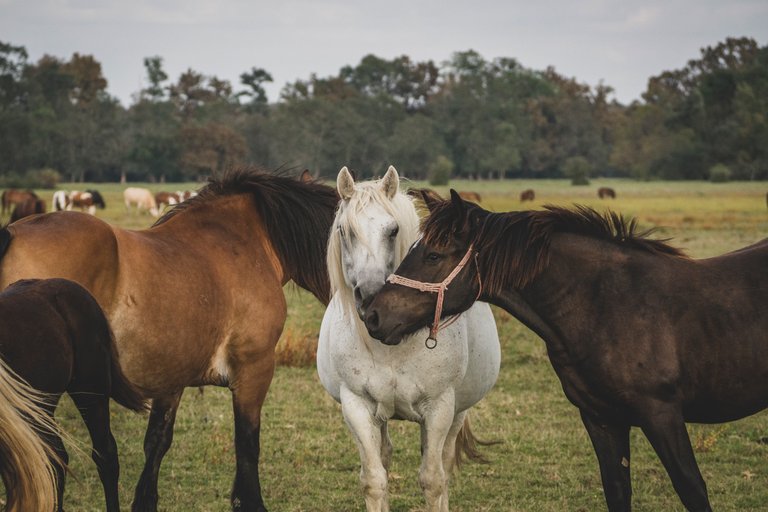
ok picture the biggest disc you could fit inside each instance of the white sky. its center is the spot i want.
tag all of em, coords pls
(620, 42)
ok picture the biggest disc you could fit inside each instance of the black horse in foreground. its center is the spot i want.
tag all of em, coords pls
(639, 334)
(54, 335)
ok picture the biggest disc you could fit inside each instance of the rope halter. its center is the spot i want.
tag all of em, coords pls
(439, 289)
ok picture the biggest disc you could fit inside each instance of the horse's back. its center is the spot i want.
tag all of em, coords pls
(69, 245)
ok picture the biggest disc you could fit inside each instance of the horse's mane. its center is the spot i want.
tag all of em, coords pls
(400, 207)
(513, 247)
(297, 215)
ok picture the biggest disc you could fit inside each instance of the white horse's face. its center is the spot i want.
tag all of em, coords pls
(368, 253)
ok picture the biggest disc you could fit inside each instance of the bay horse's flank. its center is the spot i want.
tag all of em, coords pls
(638, 333)
(197, 299)
(56, 337)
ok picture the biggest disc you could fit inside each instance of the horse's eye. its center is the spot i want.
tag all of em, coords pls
(394, 232)
(433, 257)
(341, 232)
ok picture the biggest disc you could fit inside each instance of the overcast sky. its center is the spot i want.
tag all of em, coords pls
(622, 43)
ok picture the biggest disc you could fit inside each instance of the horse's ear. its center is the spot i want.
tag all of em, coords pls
(306, 176)
(431, 198)
(461, 209)
(345, 183)
(390, 183)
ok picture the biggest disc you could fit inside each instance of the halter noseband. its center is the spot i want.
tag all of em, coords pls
(439, 289)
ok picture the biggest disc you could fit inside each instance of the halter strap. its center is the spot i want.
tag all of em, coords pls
(439, 289)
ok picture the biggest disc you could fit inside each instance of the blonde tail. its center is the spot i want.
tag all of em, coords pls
(467, 446)
(25, 460)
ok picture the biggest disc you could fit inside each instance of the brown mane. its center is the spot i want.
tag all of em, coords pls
(297, 214)
(513, 247)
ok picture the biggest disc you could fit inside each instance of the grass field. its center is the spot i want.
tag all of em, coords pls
(545, 461)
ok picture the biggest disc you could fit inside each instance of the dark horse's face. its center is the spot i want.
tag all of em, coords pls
(397, 310)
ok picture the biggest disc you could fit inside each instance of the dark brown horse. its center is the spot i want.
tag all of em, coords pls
(55, 336)
(606, 192)
(197, 299)
(527, 195)
(638, 334)
(14, 196)
(27, 208)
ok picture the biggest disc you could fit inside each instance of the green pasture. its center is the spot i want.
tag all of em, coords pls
(544, 462)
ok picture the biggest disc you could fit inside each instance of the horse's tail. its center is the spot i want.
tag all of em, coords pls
(467, 446)
(123, 391)
(25, 460)
(5, 240)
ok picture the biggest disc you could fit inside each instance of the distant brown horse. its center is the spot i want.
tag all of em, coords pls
(197, 299)
(27, 208)
(527, 195)
(604, 192)
(14, 196)
(87, 201)
(55, 336)
(468, 195)
(164, 199)
(638, 333)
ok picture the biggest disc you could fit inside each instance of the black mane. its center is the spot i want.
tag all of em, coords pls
(513, 247)
(297, 214)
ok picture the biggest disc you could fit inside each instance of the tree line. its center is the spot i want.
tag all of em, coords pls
(467, 117)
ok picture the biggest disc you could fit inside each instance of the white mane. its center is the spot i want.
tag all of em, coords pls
(400, 207)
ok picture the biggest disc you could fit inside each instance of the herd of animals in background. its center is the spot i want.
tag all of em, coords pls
(90, 325)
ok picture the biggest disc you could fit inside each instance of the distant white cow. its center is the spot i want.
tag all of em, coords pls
(142, 198)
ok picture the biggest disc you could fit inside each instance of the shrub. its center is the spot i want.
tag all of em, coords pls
(578, 169)
(719, 173)
(440, 171)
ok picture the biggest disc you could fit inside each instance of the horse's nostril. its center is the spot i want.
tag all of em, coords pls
(372, 320)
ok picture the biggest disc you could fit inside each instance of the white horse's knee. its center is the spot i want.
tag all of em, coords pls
(433, 483)
(374, 485)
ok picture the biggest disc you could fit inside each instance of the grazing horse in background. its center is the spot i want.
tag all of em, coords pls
(470, 196)
(163, 199)
(197, 299)
(13, 196)
(27, 208)
(61, 201)
(639, 334)
(606, 192)
(527, 195)
(373, 229)
(55, 336)
(26, 466)
(142, 198)
(87, 201)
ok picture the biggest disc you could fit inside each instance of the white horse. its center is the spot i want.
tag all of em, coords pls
(142, 198)
(374, 227)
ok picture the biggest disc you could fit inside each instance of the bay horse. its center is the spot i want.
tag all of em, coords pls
(55, 336)
(638, 333)
(606, 192)
(27, 208)
(527, 195)
(197, 299)
(14, 196)
(26, 462)
(373, 229)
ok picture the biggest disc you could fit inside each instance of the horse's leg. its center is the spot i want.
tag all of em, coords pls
(248, 394)
(157, 440)
(667, 434)
(368, 437)
(611, 444)
(449, 454)
(434, 431)
(54, 441)
(95, 412)
(386, 446)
